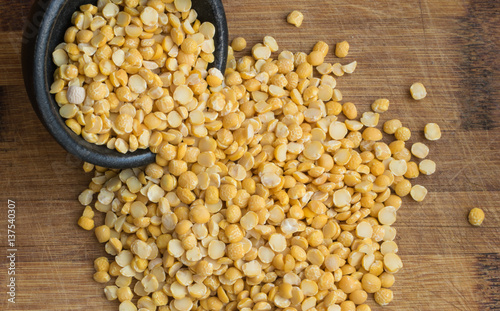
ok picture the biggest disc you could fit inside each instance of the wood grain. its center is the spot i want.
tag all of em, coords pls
(449, 45)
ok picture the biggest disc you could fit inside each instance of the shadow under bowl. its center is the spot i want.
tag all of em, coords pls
(44, 30)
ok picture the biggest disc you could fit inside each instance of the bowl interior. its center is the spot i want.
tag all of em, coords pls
(56, 19)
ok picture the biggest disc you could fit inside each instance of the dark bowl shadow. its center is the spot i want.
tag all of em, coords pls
(44, 30)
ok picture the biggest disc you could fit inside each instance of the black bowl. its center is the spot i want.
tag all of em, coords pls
(44, 30)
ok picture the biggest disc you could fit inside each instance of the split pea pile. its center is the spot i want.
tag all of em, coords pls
(268, 192)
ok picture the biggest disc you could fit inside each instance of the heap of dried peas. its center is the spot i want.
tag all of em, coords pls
(267, 193)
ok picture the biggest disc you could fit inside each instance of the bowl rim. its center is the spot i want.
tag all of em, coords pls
(37, 57)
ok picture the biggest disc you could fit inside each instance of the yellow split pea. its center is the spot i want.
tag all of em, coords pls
(476, 216)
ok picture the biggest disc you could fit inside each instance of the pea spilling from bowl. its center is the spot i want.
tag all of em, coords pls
(112, 81)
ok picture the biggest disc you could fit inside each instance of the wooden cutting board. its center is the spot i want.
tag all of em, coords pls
(449, 45)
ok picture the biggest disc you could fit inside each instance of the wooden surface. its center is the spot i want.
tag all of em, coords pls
(449, 45)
